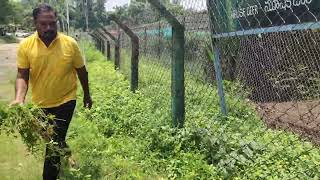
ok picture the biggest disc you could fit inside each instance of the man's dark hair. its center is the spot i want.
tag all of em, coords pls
(42, 8)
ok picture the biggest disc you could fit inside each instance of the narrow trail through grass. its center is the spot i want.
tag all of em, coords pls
(15, 161)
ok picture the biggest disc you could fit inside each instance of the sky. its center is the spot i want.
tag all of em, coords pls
(194, 4)
(110, 4)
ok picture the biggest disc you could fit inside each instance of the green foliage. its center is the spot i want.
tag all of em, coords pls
(135, 13)
(6, 10)
(298, 80)
(90, 52)
(8, 39)
(3, 114)
(13, 13)
(30, 122)
(96, 13)
(129, 135)
(21, 13)
(140, 12)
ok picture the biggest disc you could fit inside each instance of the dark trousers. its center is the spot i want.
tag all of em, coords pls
(63, 115)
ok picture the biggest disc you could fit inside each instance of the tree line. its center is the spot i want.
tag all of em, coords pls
(78, 14)
(81, 14)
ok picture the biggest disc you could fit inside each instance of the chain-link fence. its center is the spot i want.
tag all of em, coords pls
(272, 49)
(269, 55)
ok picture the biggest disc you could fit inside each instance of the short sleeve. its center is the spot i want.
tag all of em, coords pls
(22, 59)
(77, 61)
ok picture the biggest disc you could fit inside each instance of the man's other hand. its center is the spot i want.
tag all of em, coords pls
(87, 102)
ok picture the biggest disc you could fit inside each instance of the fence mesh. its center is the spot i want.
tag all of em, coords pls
(277, 61)
(269, 52)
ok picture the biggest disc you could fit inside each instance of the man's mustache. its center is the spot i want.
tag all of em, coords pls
(49, 34)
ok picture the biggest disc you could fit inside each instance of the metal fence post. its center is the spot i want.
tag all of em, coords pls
(219, 78)
(103, 48)
(178, 89)
(108, 50)
(217, 60)
(159, 39)
(135, 48)
(177, 75)
(116, 47)
(103, 40)
(117, 54)
(145, 41)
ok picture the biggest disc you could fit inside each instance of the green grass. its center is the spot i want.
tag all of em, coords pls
(6, 92)
(7, 85)
(15, 161)
(129, 136)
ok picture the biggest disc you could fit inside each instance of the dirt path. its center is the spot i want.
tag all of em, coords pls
(7, 70)
(15, 163)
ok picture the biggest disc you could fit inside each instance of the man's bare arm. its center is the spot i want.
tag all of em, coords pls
(83, 77)
(21, 87)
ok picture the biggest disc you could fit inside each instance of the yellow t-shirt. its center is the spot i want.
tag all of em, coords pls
(53, 77)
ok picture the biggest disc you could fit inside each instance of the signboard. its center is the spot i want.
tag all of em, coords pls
(238, 15)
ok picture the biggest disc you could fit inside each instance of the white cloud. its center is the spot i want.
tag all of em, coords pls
(111, 4)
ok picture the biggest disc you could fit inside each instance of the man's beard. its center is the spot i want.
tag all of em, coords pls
(49, 35)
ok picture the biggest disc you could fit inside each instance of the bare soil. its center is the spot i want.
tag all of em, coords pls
(7, 70)
(302, 117)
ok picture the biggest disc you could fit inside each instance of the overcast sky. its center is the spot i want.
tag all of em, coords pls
(194, 4)
(110, 4)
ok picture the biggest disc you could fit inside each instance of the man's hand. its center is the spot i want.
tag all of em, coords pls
(87, 102)
(83, 77)
(21, 86)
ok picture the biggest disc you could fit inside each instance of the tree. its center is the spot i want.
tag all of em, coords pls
(12, 15)
(73, 12)
(6, 10)
(140, 12)
(96, 13)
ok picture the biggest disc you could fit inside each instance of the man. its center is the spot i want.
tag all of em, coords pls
(52, 61)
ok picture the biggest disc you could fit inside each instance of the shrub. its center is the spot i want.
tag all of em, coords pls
(129, 135)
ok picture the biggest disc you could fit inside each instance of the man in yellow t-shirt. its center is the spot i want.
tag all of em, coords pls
(51, 62)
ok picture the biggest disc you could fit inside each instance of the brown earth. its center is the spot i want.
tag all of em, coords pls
(7, 70)
(302, 117)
